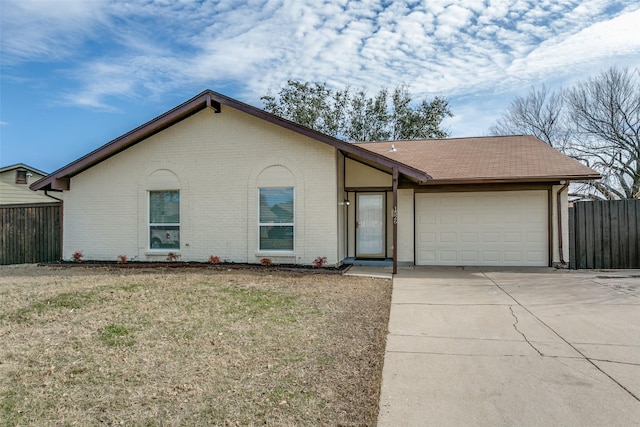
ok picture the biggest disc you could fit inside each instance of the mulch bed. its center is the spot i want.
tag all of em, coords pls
(223, 266)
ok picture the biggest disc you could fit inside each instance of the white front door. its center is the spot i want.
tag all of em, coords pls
(370, 225)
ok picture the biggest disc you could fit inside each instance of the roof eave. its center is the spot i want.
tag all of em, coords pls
(505, 180)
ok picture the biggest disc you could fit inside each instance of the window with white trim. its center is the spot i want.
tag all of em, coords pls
(164, 219)
(276, 222)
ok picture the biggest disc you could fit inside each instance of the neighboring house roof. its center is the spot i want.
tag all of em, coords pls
(22, 166)
(519, 158)
(60, 179)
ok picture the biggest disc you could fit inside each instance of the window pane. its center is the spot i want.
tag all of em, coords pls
(164, 237)
(21, 177)
(276, 205)
(276, 237)
(164, 207)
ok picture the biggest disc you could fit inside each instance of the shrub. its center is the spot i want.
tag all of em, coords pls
(77, 256)
(214, 259)
(319, 262)
(266, 262)
(122, 259)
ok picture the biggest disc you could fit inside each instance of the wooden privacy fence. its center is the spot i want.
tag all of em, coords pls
(30, 233)
(604, 234)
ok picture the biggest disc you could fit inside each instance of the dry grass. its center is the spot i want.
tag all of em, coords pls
(189, 347)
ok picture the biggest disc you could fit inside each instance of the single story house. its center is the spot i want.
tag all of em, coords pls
(14, 185)
(217, 177)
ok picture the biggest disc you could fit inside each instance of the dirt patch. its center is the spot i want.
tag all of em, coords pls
(190, 347)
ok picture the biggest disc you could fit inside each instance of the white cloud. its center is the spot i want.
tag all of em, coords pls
(594, 45)
(39, 30)
(139, 48)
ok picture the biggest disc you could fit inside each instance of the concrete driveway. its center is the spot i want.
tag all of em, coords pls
(534, 347)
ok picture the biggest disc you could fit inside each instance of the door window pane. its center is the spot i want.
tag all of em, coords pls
(371, 226)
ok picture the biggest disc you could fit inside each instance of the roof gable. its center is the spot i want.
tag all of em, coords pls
(23, 167)
(60, 179)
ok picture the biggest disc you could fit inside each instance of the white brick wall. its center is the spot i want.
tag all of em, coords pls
(217, 159)
(405, 227)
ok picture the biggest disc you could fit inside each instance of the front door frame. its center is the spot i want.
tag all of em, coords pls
(383, 253)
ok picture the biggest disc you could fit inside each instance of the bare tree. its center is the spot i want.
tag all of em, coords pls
(596, 122)
(606, 113)
(540, 113)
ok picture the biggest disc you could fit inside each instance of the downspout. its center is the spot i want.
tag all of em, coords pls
(61, 221)
(559, 213)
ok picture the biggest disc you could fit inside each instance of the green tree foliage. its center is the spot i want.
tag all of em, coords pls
(356, 116)
(596, 121)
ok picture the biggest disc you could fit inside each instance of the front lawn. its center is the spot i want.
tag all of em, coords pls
(88, 346)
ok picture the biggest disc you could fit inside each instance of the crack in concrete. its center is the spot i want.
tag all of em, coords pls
(614, 361)
(515, 326)
(422, 335)
(628, 291)
(587, 358)
(439, 353)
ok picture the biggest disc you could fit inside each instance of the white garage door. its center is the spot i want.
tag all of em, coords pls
(506, 228)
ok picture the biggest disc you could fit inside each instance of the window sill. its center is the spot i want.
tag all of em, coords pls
(285, 254)
(161, 252)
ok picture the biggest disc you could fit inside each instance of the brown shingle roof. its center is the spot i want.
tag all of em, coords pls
(522, 158)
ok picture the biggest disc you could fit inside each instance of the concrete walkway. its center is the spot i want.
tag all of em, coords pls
(534, 347)
(370, 271)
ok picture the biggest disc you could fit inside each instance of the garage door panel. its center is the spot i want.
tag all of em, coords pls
(511, 236)
(467, 237)
(537, 256)
(448, 219)
(427, 238)
(484, 228)
(534, 237)
(490, 257)
(512, 256)
(428, 256)
(512, 217)
(490, 218)
(490, 237)
(427, 219)
(469, 256)
(450, 237)
(448, 256)
(469, 218)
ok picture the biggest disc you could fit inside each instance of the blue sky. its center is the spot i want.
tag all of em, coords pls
(77, 73)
